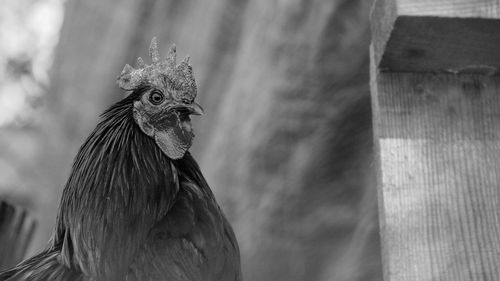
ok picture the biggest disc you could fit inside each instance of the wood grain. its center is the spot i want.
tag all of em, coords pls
(441, 207)
(438, 140)
(450, 8)
(449, 36)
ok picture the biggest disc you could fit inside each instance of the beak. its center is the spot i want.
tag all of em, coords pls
(195, 109)
(191, 109)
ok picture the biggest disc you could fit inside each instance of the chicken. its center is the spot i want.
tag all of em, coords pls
(136, 206)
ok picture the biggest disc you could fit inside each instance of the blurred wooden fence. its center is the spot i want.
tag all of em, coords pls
(16, 231)
(436, 100)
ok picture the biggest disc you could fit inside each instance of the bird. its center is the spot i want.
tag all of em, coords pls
(136, 205)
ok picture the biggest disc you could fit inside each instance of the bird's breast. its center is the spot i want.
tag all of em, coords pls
(190, 242)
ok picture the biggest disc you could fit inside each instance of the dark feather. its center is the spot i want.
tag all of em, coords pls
(128, 212)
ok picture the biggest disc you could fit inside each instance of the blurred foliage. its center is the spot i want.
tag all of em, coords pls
(29, 30)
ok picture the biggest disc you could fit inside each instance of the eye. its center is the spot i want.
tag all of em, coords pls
(156, 97)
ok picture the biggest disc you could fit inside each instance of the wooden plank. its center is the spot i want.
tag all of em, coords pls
(450, 36)
(437, 134)
(450, 8)
(438, 142)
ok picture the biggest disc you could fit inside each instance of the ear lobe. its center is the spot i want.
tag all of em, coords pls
(143, 123)
(171, 138)
(170, 143)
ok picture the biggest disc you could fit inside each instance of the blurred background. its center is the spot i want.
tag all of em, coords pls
(286, 142)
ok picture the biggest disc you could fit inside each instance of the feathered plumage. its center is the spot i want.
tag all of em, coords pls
(130, 212)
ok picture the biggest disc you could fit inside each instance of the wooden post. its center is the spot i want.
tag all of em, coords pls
(436, 103)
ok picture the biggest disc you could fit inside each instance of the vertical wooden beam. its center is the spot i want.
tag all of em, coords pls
(436, 104)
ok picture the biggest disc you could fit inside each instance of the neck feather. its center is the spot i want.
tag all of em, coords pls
(120, 185)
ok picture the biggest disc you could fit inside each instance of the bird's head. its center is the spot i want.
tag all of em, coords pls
(166, 100)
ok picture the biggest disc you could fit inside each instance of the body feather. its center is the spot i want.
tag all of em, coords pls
(128, 212)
